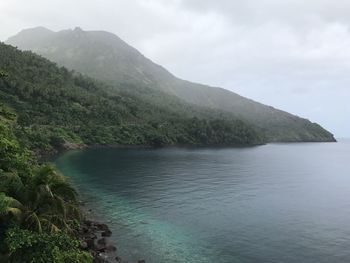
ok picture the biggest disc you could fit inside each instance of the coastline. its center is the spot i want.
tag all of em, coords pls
(67, 146)
(94, 237)
(48, 155)
(94, 234)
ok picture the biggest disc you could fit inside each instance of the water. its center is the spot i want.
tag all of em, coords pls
(273, 203)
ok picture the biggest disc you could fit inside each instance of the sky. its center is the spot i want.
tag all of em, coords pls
(290, 54)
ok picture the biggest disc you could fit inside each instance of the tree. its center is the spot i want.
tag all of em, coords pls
(47, 202)
(43, 247)
(3, 74)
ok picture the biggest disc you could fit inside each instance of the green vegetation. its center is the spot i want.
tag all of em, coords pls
(3, 74)
(106, 57)
(39, 215)
(44, 247)
(57, 108)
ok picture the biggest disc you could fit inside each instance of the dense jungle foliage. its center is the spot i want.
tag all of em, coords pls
(39, 215)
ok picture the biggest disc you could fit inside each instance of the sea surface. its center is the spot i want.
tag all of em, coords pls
(272, 203)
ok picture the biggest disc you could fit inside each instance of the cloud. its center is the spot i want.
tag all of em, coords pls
(292, 12)
(291, 54)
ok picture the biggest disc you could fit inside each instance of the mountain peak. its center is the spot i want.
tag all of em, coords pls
(35, 32)
(78, 29)
(37, 29)
(31, 37)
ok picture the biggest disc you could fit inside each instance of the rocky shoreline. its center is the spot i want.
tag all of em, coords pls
(94, 238)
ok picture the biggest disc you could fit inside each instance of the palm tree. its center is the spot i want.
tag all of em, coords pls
(47, 202)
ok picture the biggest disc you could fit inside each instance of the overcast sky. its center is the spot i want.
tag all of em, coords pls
(291, 54)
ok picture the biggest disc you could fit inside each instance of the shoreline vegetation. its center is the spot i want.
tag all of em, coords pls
(41, 217)
(39, 211)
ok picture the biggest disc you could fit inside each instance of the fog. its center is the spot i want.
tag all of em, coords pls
(289, 54)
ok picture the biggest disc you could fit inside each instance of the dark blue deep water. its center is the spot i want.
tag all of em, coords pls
(273, 203)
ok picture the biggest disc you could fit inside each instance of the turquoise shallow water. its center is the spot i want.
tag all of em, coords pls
(273, 203)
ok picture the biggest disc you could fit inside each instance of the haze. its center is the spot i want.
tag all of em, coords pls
(289, 54)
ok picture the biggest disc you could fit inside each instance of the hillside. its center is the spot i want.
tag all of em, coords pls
(57, 108)
(39, 210)
(106, 57)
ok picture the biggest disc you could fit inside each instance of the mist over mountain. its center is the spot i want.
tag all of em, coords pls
(57, 109)
(105, 57)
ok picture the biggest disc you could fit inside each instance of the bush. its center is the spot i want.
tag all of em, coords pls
(43, 247)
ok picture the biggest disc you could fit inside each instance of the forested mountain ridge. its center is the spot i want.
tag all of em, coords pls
(106, 57)
(56, 107)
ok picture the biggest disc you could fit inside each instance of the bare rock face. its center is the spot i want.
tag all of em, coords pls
(72, 146)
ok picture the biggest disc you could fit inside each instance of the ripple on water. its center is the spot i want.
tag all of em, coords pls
(275, 203)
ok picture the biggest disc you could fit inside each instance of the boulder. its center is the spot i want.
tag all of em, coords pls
(106, 233)
(90, 243)
(83, 245)
(102, 241)
(111, 248)
(102, 227)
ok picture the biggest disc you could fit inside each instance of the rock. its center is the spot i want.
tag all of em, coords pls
(101, 245)
(83, 245)
(89, 236)
(85, 230)
(106, 233)
(100, 248)
(141, 261)
(102, 227)
(90, 243)
(102, 241)
(111, 248)
(88, 223)
(72, 146)
(100, 259)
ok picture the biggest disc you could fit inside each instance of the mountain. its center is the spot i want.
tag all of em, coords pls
(58, 108)
(107, 58)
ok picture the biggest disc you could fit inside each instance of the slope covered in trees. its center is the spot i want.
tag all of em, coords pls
(56, 107)
(106, 57)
